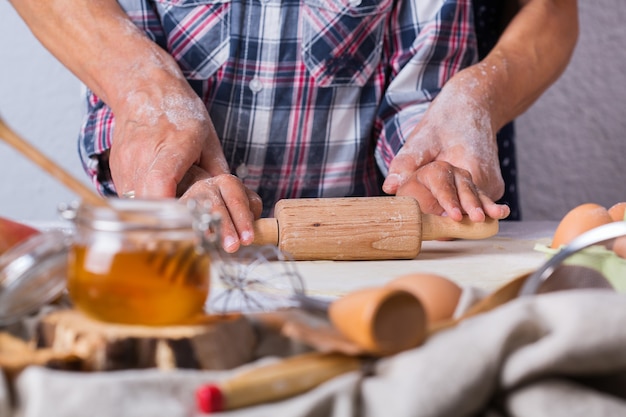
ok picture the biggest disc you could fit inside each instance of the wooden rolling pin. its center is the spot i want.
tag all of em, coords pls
(360, 228)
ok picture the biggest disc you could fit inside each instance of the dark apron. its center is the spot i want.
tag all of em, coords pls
(488, 17)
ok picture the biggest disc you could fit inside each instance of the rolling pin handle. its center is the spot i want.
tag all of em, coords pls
(439, 227)
(266, 232)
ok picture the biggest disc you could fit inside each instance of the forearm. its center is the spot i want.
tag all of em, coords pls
(531, 54)
(100, 45)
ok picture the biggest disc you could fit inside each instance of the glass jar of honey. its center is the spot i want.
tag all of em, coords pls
(140, 262)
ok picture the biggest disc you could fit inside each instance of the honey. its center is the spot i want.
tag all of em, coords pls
(148, 268)
(132, 288)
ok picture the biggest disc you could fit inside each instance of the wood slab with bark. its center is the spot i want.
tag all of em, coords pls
(209, 342)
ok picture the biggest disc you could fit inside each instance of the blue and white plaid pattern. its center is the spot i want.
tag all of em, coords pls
(309, 94)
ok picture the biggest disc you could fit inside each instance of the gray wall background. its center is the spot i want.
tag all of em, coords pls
(571, 143)
(41, 101)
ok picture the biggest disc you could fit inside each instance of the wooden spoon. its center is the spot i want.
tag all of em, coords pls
(32, 153)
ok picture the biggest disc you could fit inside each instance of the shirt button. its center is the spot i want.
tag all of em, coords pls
(256, 85)
(354, 3)
(241, 171)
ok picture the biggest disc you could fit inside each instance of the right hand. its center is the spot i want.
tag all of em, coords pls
(237, 205)
(160, 131)
(165, 145)
(162, 128)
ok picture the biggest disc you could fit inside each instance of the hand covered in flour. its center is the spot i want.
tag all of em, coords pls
(450, 163)
(165, 146)
(161, 131)
(237, 205)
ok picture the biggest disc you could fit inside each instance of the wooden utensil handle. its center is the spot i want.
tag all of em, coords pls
(437, 227)
(284, 379)
(34, 155)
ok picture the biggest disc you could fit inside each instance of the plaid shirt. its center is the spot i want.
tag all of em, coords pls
(312, 97)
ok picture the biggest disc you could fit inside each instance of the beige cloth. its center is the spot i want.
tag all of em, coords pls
(558, 354)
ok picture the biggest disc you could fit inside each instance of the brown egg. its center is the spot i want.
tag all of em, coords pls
(619, 247)
(617, 211)
(438, 295)
(579, 220)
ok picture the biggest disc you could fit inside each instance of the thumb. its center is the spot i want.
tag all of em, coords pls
(161, 178)
(403, 166)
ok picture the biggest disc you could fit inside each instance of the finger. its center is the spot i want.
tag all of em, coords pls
(206, 190)
(212, 158)
(123, 173)
(236, 197)
(163, 175)
(193, 175)
(232, 201)
(494, 210)
(256, 203)
(476, 203)
(155, 178)
(427, 202)
(469, 196)
(439, 177)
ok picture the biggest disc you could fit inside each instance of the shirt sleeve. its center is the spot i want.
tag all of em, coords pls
(427, 43)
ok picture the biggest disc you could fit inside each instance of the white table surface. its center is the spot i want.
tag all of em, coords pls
(486, 263)
(483, 264)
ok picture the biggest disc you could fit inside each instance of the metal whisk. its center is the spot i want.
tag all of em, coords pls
(255, 278)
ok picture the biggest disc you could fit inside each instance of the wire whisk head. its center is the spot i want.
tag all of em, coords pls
(253, 279)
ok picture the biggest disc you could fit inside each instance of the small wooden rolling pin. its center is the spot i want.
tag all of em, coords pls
(291, 376)
(360, 228)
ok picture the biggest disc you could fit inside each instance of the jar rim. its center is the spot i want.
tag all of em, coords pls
(132, 215)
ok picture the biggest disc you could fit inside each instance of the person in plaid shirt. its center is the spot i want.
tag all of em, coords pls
(246, 102)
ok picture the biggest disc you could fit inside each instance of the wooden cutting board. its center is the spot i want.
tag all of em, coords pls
(209, 342)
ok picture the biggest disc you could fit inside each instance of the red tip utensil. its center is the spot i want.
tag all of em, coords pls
(286, 378)
(210, 399)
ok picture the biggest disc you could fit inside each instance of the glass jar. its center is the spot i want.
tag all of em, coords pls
(32, 275)
(141, 262)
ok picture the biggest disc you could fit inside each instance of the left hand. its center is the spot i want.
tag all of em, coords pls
(449, 163)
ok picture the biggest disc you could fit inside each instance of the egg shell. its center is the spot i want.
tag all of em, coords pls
(438, 295)
(617, 210)
(618, 213)
(579, 220)
(382, 320)
(619, 247)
